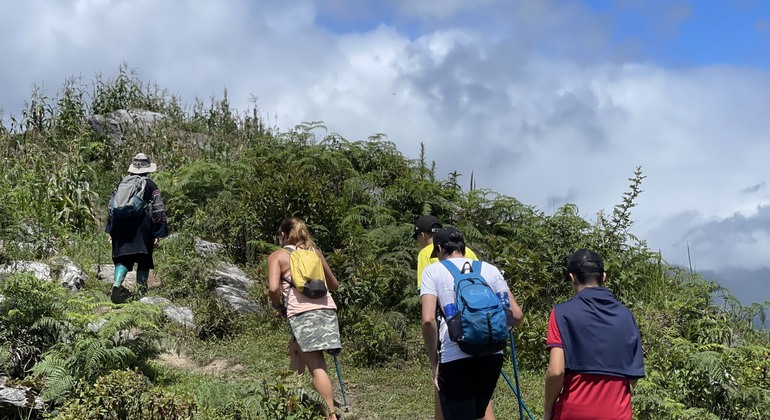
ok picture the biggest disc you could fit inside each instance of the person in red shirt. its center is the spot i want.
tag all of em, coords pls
(595, 349)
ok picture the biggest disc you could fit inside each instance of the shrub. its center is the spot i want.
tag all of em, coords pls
(122, 339)
(378, 339)
(125, 395)
(32, 319)
(286, 397)
(215, 320)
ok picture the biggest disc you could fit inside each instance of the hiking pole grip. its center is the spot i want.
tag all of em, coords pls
(342, 388)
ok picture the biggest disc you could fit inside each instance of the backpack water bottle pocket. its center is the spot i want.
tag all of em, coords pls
(455, 326)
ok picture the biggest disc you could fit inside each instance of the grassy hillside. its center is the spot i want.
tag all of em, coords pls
(229, 178)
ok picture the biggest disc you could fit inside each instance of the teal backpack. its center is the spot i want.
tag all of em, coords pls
(480, 326)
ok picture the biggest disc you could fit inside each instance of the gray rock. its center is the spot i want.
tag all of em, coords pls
(180, 314)
(154, 300)
(70, 275)
(96, 325)
(116, 124)
(18, 396)
(230, 275)
(237, 299)
(40, 270)
(119, 337)
(206, 248)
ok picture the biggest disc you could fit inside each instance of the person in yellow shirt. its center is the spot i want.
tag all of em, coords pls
(424, 228)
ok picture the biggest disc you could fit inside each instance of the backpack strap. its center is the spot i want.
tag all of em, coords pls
(289, 250)
(453, 270)
(451, 267)
(476, 268)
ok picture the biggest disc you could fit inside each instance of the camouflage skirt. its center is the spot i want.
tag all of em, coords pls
(316, 330)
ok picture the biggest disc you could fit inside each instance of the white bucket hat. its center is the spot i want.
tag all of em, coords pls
(141, 165)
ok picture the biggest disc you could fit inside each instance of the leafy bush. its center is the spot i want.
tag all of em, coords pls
(215, 320)
(185, 273)
(33, 317)
(121, 339)
(377, 339)
(122, 395)
(286, 397)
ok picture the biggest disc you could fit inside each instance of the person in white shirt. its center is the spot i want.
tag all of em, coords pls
(465, 383)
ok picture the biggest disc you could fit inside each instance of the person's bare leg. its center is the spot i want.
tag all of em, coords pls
(437, 414)
(317, 364)
(490, 413)
(295, 360)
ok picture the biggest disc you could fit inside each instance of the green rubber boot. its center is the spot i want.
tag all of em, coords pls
(141, 281)
(118, 296)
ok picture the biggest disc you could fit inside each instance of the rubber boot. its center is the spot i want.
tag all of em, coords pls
(141, 281)
(117, 295)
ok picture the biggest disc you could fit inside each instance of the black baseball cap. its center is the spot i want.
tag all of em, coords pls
(584, 261)
(444, 236)
(427, 224)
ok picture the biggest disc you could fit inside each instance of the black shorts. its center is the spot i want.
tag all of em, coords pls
(143, 261)
(466, 385)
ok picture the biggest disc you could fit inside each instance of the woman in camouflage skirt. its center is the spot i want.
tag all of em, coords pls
(313, 322)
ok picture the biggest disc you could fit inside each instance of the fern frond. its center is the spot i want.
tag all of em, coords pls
(58, 386)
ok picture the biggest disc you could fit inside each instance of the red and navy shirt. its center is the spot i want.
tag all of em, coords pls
(602, 352)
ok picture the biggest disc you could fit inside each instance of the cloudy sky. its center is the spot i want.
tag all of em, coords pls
(549, 101)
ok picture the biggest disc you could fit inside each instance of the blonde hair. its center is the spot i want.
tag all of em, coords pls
(295, 233)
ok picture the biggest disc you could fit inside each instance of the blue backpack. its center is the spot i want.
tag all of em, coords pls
(480, 326)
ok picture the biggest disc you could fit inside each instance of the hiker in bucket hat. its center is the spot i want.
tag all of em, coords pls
(135, 223)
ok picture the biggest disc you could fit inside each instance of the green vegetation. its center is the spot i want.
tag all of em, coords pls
(229, 178)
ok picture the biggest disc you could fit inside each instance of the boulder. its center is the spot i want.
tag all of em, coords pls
(18, 396)
(237, 299)
(96, 325)
(228, 274)
(38, 269)
(179, 314)
(206, 248)
(69, 274)
(116, 124)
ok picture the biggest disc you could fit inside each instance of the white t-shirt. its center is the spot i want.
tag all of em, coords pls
(438, 281)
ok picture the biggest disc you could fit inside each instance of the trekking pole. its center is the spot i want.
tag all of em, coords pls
(518, 396)
(342, 388)
(516, 374)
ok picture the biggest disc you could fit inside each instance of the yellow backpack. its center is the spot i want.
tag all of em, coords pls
(307, 272)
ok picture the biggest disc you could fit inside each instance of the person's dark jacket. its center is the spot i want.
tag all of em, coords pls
(136, 236)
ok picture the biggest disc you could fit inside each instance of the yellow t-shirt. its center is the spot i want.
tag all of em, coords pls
(424, 260)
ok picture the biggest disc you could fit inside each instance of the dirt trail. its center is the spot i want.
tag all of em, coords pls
(217, 367)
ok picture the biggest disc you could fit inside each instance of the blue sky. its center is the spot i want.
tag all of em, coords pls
(668, 32)
(548, 101)
(689, 33)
